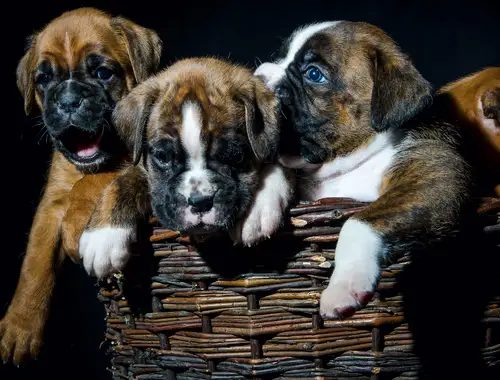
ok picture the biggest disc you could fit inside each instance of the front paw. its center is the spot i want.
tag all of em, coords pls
(73, 225)
(21, 338)
(106, 250)
(357, 270)
(348, 291)
(265, 219)
(266, 214)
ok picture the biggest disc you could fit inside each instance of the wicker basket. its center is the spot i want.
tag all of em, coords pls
(254, 315)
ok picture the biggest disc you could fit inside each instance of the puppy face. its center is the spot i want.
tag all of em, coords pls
(76, 69)
(209, 125)
(339, 84)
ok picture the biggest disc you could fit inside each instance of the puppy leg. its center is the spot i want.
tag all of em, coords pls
(22, 328)
(422, 201)
(82, 202)
(266, 214)
(105, 245)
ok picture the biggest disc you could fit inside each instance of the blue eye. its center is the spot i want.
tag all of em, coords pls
(315, 75)
(104, 73)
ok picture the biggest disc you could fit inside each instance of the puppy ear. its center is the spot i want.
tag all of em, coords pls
(262, 121)
(24, 73)
(144, 47)
(490, 101)
(400, 92)
(131, 115)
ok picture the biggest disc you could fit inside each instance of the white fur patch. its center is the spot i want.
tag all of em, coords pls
(106, 250)
(357, 268)
(193, 219)
(267, 210)
(197, 178)
(272, 73)
(358, 175)
(191, 133)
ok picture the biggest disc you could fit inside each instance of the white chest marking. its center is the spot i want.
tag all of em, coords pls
(358, 175)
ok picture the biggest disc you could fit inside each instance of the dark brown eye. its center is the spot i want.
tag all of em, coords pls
(162, 158)
(43, 78)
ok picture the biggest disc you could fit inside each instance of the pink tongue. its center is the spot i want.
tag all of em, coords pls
(88, 151)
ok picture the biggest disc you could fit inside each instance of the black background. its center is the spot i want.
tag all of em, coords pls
(446, 40)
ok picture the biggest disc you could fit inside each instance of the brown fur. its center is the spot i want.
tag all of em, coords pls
(429, 181)
(69, 196)
(371, 87)
(227, 94)
(474, 102)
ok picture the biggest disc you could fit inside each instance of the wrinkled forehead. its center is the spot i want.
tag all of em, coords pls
(68, 42)
(190, 111)
(295, 44)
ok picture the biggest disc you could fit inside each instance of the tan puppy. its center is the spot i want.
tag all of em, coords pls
(474, 102)
(209, 128)
(75, 70)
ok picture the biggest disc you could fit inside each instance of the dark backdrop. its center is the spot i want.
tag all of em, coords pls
(446, 40)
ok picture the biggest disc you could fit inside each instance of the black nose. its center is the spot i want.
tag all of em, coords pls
(69, 101)
(200, 203)
(283, 94)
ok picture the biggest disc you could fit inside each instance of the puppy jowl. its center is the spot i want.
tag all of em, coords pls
(209, 127)
(350, 96)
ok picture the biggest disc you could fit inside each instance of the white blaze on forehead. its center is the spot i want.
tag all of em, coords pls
(191, 134)
(197, 177)
(300, 37)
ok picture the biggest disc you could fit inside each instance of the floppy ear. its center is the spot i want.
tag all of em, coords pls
(24, 73)
(400, 92)
(261, 117)
(131, 115)
(490, 101)
(144, 47)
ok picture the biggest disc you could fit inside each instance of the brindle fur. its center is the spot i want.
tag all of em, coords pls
(232, 102)
(374, 88)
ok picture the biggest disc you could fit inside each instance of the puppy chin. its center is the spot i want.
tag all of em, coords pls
(297, 162)
(196, 223)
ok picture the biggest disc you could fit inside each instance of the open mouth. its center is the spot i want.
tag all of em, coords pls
(82, 145)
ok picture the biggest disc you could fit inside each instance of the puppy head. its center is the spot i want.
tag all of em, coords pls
(76, 69)
(340, 83)
(205, 126)
(476, 100)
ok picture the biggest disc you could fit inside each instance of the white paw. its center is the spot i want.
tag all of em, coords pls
(266, 213)
(348, 291)
(106, 250)
(356, 273)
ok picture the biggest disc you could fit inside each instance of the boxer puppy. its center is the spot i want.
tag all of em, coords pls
(205, 129)
(75, 70)
(351, 97)
(473, 102)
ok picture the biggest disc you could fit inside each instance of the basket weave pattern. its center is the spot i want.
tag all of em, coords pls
(264, 324)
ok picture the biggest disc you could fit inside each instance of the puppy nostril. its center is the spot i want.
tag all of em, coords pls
(200, 203)
(70, 103)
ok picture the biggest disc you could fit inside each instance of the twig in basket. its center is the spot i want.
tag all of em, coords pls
(327, 217)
